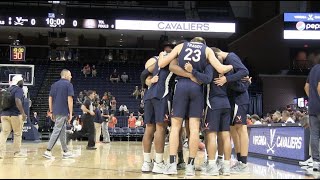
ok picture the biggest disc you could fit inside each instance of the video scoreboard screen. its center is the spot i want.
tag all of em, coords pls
(53, 22)
(301, 26)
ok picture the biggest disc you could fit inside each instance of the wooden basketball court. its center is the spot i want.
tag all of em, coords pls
(114, 160)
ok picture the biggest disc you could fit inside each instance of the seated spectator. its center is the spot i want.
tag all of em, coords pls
(86, 70)
(124, 77)
(132, 121)
(139, 122)
(112, 121)
(249, 121)
(94, 71)
(255, 119)
(114, 76)
(276, 117)
(286, 117)
(123, 110)
(113, 105)
(141, 109)
(136, 92)
(35, 120)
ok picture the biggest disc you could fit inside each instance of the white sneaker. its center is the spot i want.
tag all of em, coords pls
(67, 155)
(316, 166)
(190, 170)
(211, 170)
(48, 155)
(181, 166)
(158, 168)
(219, 163)
(147, 166)
(171, 168)
(306, 163)
(202, 167)
(225, 169)
(240, 168)
(20, 155)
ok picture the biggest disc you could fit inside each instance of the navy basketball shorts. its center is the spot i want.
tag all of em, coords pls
(155, 110)
(239, 114)
(188, 100)
(217, 120)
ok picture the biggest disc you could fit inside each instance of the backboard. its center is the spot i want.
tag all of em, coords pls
(7, 71)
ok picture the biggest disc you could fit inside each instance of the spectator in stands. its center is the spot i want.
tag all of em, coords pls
(132, 121)
(142, 91)
(139, 122)
(105, 118)
(97, 122)
(249, 121)
(105, 100)
(124, 77)
(80, 98)
(86, 70)
(255, 119)
(47, 123)
(113, 121)
(136, 92)
(141, 109)
(113, 105)
(76, 124)
(35, 120)
(114, 76)
(276, 117)
(94, 71)
(286, 117)
(123, 110)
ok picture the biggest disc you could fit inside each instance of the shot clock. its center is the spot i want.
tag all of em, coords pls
(17, 53)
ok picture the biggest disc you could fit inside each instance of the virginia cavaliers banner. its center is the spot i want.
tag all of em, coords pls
(285, 142)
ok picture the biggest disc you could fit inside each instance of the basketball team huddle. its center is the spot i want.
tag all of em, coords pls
(208, 89)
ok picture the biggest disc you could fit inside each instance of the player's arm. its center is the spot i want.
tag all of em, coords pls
(222, 69)
(205, 77)
(240, 71)
(307, 87)
(149, 67)
(176, 69)
(164, 61)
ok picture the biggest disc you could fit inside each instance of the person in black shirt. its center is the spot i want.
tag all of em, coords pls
(87, 119)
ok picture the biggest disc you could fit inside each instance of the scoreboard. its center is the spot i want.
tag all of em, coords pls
(53, 22)
(17, 53)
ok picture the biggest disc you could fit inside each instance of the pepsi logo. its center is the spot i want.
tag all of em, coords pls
(300, 26)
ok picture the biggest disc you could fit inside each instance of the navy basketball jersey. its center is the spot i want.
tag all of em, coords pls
(194, 53)
(161, 88)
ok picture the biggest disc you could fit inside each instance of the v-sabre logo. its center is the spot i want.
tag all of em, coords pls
(300, 26)
(271, 144)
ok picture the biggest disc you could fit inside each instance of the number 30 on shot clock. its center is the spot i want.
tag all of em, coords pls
(17, 53)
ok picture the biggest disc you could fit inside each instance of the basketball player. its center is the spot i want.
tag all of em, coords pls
(239, 107)
(61, 108)
(188, 95)
(156, 110)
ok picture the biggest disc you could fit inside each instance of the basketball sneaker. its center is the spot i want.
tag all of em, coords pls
(225, 169)
(48, 155)
(181, 166)
(170, 169)
(190, 170)
(211, 170)
(67, 155)
(203, 166)
(158, 168)
(239, 167)
(307, 162)
(147, 166)
(316, 166)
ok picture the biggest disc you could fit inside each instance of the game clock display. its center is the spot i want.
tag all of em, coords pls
(17, 53)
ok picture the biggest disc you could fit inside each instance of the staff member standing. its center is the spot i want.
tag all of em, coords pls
(13, 119)
(312, 89)
(61, 108)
